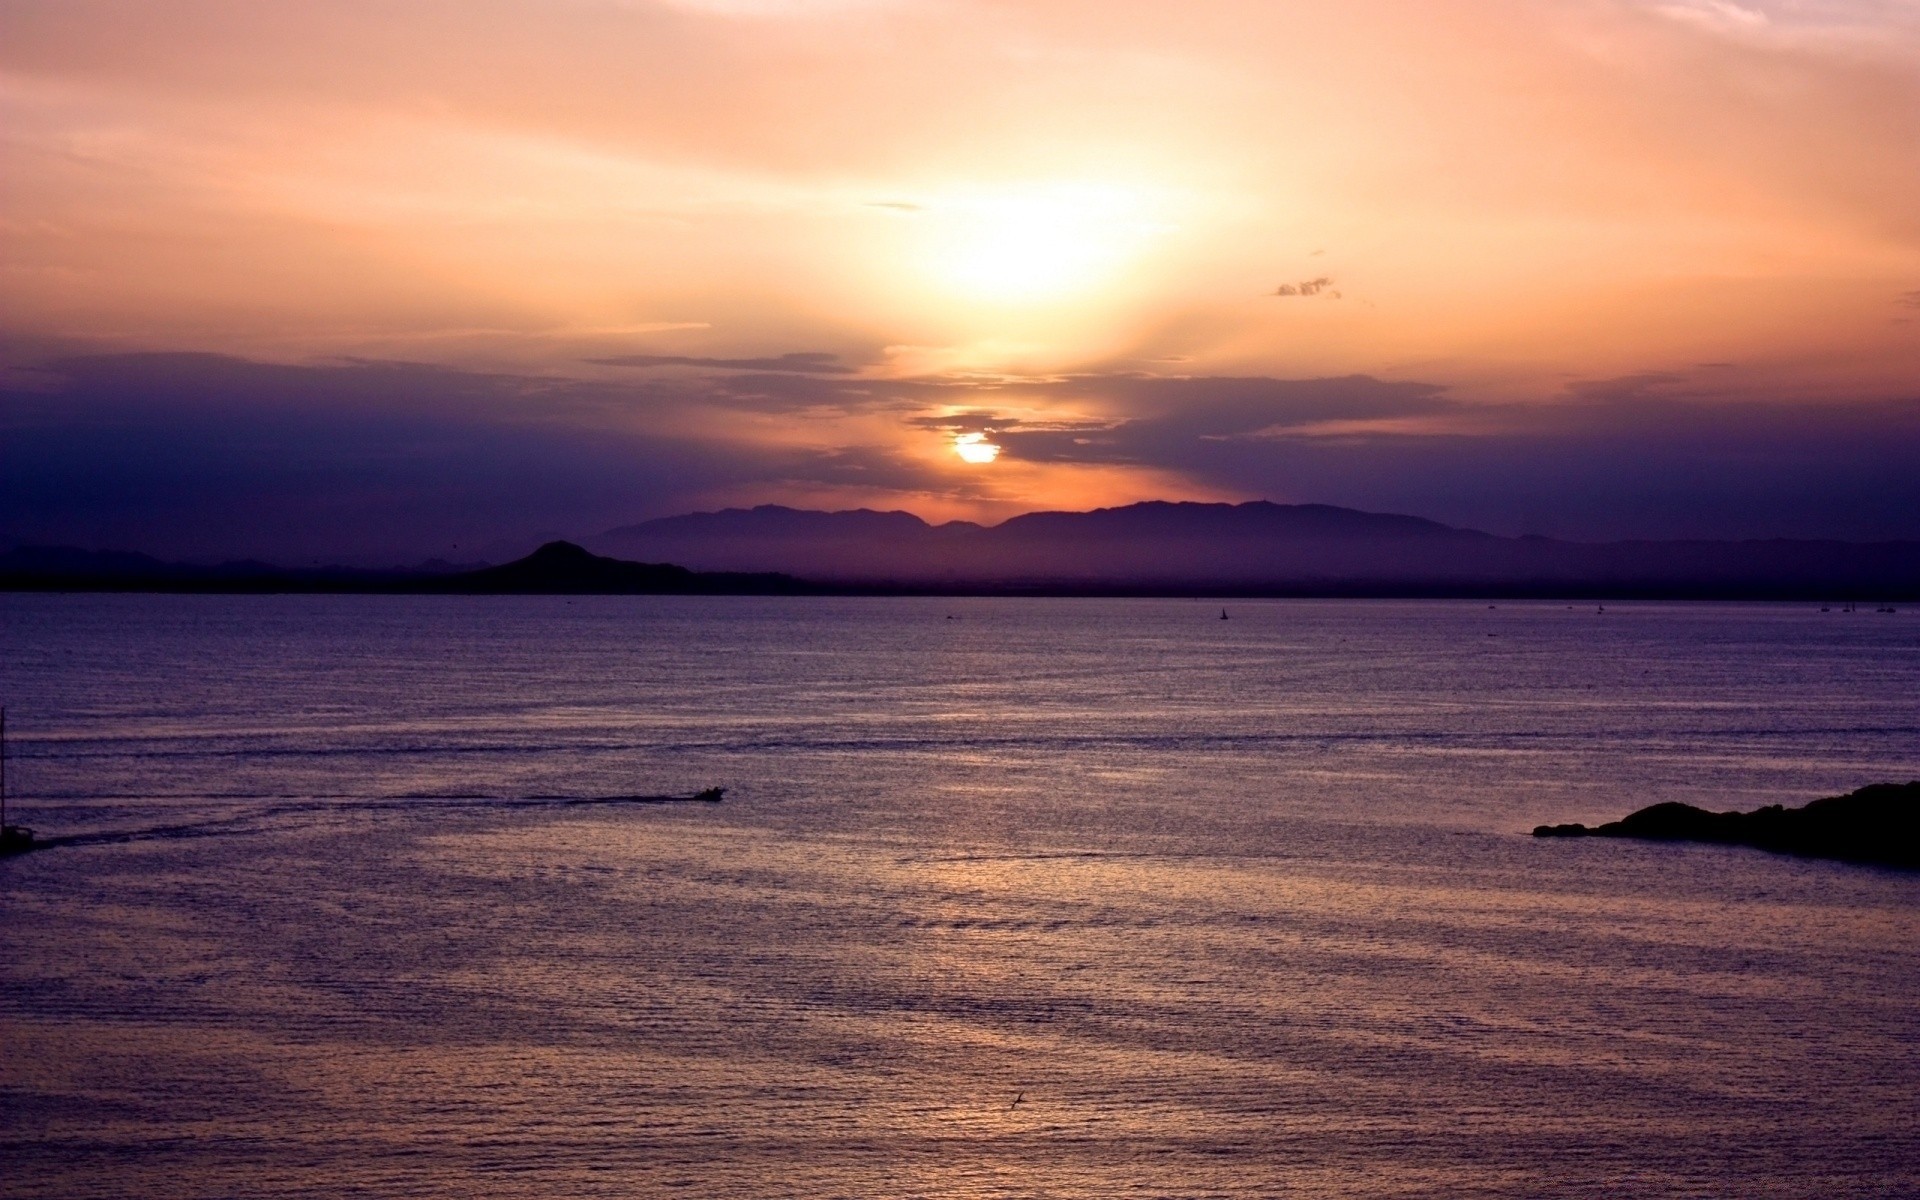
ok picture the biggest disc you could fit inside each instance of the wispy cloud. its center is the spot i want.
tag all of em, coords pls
(1716, 14)
(803, 362)
(1644, 385)
(1308, 287)
(781, 9)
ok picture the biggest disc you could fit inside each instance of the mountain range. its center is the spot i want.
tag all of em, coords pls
(1253, 547)
(1155, 547)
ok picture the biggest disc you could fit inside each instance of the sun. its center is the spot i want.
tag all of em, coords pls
(1040, 242)
(975, 448)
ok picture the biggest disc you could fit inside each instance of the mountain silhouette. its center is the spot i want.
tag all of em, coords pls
(1303, 548)
(1156, 547)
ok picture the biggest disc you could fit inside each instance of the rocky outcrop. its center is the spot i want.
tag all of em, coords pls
(1877, 824)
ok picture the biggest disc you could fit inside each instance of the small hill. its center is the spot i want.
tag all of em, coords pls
(562, 568)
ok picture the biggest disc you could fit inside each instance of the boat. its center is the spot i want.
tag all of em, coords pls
(14, 839)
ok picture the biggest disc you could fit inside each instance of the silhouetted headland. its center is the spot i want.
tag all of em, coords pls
(557, 568)
(1877, 824)
(562, 568)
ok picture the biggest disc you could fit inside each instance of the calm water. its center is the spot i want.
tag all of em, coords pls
(1052, 898)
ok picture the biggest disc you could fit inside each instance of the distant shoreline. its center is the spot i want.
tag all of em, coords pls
(1491, 591)
(564, 569)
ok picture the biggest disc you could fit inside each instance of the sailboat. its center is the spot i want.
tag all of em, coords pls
(14, 839)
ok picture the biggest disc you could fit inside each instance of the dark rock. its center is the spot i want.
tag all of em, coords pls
(1877, 824)
(1561, 831)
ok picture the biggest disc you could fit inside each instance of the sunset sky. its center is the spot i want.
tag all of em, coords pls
(375, 280)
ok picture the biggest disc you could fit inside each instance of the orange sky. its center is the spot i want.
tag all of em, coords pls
(1507, 199)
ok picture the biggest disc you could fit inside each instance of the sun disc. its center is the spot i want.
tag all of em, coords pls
(1038, 243)
(975, 448)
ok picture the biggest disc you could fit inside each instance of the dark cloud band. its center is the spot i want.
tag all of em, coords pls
(210, 456)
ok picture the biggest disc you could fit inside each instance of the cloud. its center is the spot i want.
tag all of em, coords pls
(1639, 466)
(1641, 386)
(800, 394)
(1649, 454)
(963, 422)
(1307, 287)
(805, 362)
(1717, 15)
(1181, 423)
(405, 167)
(786, 9)
(213, 456)
(1784, 19)
(1909, 299)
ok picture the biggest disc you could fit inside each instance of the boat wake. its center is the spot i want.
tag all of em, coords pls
(257, 820)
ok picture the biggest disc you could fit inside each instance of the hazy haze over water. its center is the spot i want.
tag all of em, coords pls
(1231, 908)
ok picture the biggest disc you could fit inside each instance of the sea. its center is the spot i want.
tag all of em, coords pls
(1064, 898)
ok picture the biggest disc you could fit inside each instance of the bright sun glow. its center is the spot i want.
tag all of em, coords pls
(975, 448)
(1040, 242)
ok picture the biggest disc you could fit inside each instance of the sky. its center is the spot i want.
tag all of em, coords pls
(373, 281)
